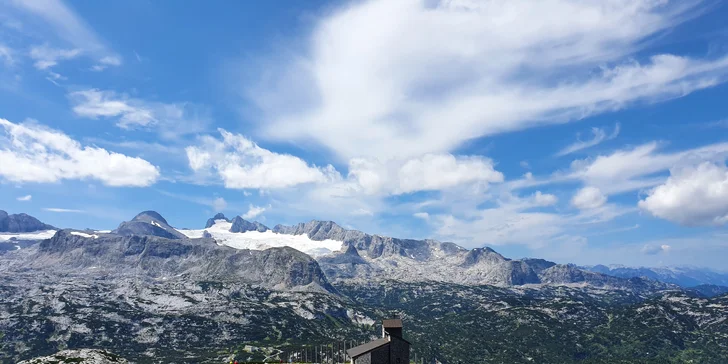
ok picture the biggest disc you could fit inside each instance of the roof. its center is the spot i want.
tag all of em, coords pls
(392, 324)
(365, 348)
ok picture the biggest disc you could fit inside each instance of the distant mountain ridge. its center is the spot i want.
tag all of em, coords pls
(366, 257)
(682, 276)
(21, 223)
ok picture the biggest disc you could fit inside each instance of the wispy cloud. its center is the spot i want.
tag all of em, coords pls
(70, 27)
(56, 209)
(395, 106)
(46, 57)
(170, 120)
(600, 135)
(25, 198)
(254, 211)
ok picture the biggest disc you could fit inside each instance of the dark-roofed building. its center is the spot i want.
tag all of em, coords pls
(392, 348)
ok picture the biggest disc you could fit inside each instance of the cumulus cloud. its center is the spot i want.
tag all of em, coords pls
(25, 198)
(544, 199)
(588, 198)
(241, 164)
(32, 153)
(254, 211)
(46, 56)
(638, 167)
(427, 173)
(364, 92)
(600, 135)
(696, 195)
(169, 119)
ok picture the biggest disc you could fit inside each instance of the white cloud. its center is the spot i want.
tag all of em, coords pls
(105, 62)
(695, 195)
(32, 153)
(421, 215)
(219, 204)
(636, 168)
(254, 211)
(430, 172)
(242, 164)
(651, 249)
(67, 25)
(46, 57)
(25, 198)
(362, 212)
(55, 209)
(588, 198)
(7, 55)
(371, 92)
(544, 199)
(170, 120)
(600, 135)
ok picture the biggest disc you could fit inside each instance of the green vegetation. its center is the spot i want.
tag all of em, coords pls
(453, 323)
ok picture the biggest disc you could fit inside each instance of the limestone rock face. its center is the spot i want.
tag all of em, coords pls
(241, 225)
(21, 223)
(85, 356)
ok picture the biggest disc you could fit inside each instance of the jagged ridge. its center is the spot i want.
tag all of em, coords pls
(21, 223)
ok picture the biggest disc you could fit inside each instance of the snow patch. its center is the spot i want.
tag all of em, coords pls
(77, 233)
(36, 235)
(256, 240)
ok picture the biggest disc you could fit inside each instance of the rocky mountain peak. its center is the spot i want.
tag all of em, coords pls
(146, 216)
(21, 223)
(482, 255)
(241, 225)
(148, 223)
(218, 216)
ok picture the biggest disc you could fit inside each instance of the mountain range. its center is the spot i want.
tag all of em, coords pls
(180, 293)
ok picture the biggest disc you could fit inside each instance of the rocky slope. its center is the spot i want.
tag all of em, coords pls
(366, 257)
(85, 356)
(241, 225)
(148, 223)
(21, 223)
(150, 295)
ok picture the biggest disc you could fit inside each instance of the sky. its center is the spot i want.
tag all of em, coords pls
(578, 131)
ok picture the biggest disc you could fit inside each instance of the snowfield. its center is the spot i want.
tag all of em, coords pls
(36, 235)
(94, 236)
(256, 240)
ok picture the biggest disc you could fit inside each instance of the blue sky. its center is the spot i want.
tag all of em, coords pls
(578, 131)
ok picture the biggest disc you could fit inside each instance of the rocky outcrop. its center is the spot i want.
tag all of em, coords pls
(148, 223)
(374, 246)
(241, 225)
(21, 223)
(86, 356)
(211, 221)
(153, 257)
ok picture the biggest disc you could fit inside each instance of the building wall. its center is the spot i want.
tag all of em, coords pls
(387, 354)
(364, 359)
(380, 355)
(398, 351)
